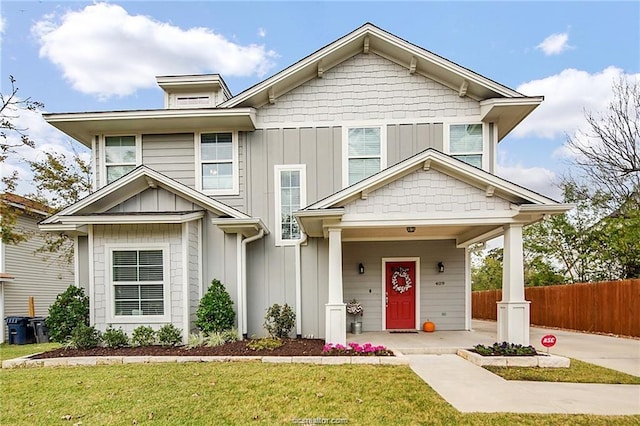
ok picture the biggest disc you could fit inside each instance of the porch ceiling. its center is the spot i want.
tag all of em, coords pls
(460, 233)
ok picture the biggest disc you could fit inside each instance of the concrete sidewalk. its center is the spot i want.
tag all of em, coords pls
(470, 388)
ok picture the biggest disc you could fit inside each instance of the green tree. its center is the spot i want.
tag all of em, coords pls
(488, 274)
(12, 137)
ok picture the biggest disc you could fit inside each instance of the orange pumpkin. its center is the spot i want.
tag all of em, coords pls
(429, 327)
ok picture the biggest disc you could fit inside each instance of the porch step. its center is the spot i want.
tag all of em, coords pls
(426, 351)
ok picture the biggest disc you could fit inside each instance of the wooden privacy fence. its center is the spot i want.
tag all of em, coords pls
(605, 307)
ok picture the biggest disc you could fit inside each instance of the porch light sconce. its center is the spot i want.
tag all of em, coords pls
(411, 229)
(361, 269)
(440, 267)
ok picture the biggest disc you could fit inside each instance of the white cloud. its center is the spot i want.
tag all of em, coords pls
(3, 26)
(567, 96)
(262, 32)
(555, 44)
(46, 138)
(104, 51)
(537, 179)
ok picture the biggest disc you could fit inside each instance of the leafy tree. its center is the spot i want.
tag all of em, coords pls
(600, 239)
(12, 137)
(488, 275)
(60, 181)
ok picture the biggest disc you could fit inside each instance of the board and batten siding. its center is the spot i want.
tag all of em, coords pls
(172, 155)
(155, 200)
(366, 87)
(444, 304)
(41, 275)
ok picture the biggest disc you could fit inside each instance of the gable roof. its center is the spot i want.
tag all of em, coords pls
(135, 182)
(25, 204)
(370, 38)
(432, 158)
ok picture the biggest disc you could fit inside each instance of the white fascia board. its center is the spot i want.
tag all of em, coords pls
(131, 218)
(546, 208)
(396, 42)
(162, 180)
(69, 229)
(27, 209)
(151, 114)
(439, 161)
(247, 227)
(489, 104)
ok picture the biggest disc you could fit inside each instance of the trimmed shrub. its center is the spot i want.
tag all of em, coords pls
(70, 309)
(266, 343)
(169, 335)
(279, 321)
(83, 337)
(215, 312)
(143, 336)
(113, 338)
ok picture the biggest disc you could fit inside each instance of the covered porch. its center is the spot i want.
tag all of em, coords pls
(438, 206)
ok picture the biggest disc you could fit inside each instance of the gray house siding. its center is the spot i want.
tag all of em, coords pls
(82, 255)
(172, 155)
(195, 280)
(442, 304)
(154, 200)
(41, 275)
(366, 87)
(405, 140)
(137, 236)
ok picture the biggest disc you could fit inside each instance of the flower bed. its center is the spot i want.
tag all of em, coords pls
(355, 349)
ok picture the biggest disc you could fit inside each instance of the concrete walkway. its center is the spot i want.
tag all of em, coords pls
(470, 388)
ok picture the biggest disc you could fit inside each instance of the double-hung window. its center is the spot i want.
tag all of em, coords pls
(138, 279)
(465, 143)
(218, 163)
(119, 156)
(290, 185)
(365, 153)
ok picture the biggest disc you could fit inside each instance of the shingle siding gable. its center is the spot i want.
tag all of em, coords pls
(366, 87)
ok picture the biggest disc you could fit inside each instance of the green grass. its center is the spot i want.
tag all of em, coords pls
(578, 372)
(15, 351)
(240, 393)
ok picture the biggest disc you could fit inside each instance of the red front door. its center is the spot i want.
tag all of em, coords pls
(400, 278)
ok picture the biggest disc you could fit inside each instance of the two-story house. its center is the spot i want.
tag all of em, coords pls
(365, 170)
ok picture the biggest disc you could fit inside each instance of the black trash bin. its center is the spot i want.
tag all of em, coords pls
(40, 329)
(20, 331)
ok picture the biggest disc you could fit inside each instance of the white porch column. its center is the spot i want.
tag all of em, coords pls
(513, 310)
(335, 309)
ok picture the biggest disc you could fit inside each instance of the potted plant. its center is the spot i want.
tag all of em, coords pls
(354, 308)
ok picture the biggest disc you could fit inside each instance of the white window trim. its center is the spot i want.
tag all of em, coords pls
(345, 148)
(235, 190)
(103, 153)
(485, 141)
(302, 168)
(111, 317)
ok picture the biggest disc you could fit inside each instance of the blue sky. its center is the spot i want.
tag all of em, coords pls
(86, 56)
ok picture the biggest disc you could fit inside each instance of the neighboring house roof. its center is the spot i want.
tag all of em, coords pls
(26, 204)
(124, 188)
(498, 103)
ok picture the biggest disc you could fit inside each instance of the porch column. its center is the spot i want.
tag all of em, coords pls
(513, 310)
(335, 309)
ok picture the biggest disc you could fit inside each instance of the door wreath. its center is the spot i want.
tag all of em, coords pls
(401, 273)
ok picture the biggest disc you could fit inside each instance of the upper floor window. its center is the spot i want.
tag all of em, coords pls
(290, 189)
(465, 143)
(365, 153)
(119, 156)
(193, 101)
(218, 163)
(138, 279)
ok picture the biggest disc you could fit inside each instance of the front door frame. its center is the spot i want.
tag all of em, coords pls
(384, 287)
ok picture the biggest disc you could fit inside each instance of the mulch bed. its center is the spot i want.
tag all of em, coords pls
(291, 347)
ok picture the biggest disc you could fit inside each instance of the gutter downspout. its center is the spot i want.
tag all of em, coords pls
(243, 296)
(299, 244)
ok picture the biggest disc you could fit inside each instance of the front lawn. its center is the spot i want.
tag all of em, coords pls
(239, 393)
(8, 351)
(578, 372)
